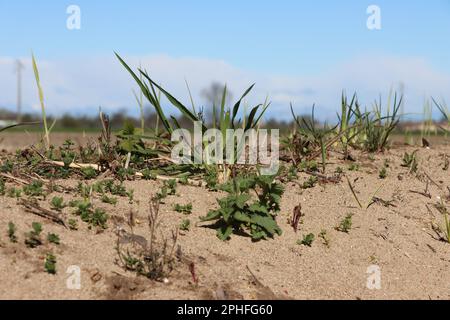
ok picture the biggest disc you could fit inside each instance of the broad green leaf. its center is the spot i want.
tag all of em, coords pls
(212, 215)
(258, 208)
(251, 116)
(241, 200)
(258, 233)
(226, 213)
(224, 232)
(255, 123)
(242, 217)
(267, 223)
(238, 104)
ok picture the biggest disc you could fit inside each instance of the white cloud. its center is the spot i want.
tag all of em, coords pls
(83, 84)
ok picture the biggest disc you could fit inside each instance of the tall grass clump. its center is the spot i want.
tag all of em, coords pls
(223, 118)
(369, 130)
(356, 128)
(345, 121)
(319, 138)
(379, 127)
(351, 123)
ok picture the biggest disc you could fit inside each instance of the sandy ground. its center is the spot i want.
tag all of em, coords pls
(398, 239)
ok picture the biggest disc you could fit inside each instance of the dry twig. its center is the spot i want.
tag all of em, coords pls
(35, 208)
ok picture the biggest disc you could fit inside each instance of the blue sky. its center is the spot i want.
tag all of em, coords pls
(281, 42)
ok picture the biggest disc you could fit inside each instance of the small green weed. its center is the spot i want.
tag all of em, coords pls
(33, 238)
(89, 173)
(410, 161)
(109, 200)
(50, 264)
(237, 213)
(2, 187)
(310, 183)
(14, 192)
(157, 259)
(82, 206)
(211, 178)
(171, 187)
(98, 218)
(307, 240)
(185, 225)
(12, 232)
(346, 224)
(309, 166)
(53, 238)
(93, 217)
(7, 166)
(130, 195)
(125, 174)
(34, 189)
(168, 188)
(353, 167)
(292, 173)
(73, 224)
(383, 173)
(57, 203)
(148, 174)
(185, 209)
(325, 238)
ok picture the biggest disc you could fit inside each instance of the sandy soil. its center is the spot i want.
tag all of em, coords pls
(399, 239)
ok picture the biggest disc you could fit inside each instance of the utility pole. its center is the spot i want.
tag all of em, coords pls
(19, 67)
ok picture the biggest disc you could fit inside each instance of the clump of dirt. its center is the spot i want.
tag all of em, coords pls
(119, 287)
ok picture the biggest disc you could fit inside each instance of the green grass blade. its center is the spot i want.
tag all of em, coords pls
(148, 94)
(251, 116)
(261, 114)
(172, 99)
(238, 104)
(190, 97)
(41, 99)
